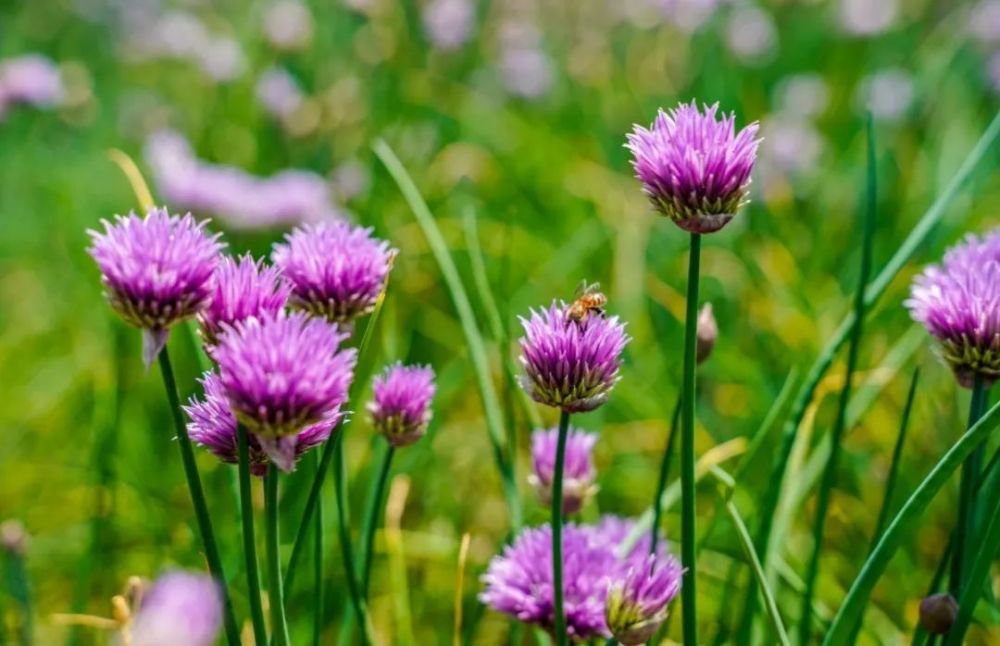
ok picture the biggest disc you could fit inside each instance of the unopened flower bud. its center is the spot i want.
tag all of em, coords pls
(938, 613)
(708, 332)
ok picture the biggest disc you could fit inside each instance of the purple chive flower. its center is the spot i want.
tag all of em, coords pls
(637, 604)
(180, 608)
(400, 406)
(157, 270)
(694, 166)
(337, 270)
(958, 302)
(283, 373)
(578, 468)
(518, 582)
(572, 365)
(213, 426)
(240, 289)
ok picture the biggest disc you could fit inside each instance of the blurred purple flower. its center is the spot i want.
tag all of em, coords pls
(400, 406)
(993, 71)
(887, 93)
(694, 167)
(180, 608)
(337, 271)
(579, 472)
(241, 289)
(31, 79)
(182, 36)
(984, 22)
(803, 96)
(637, 604)
(526, 71)
(790, 145)
(868, 17)
(448, 23)
(278, 92)
(958, 302)
(157, 270)
(288, 25)
(571, 365)
(751, 34)
(213, 426)
(688, 15)
(283, 373)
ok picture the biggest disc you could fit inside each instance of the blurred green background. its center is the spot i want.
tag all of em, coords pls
(514, 112)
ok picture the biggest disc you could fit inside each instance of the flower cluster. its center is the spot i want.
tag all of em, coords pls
(400, 406)
(579, 472)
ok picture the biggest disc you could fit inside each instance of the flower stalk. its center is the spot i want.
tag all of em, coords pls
(557, 522)
(249, 542)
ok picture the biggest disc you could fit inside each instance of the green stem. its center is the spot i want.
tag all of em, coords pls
(279, 623)
(346, 550)
(317, 592)
(557, 520)
(965, 527)
(198, 498)
(371, 517)
(688, 551)
(249, 542)
(661, 483)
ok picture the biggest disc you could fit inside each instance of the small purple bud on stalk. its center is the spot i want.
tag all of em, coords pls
(400, 406)
(578, 469)
(180, 608)
(157, 270)
(240, 289)
(637, 604)
(938, 612)
(337, 271)
(571, 364)
(708, 333)
(281, 374)
(694, 167)
(958, 301)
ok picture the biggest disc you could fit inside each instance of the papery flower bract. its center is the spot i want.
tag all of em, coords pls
(180, 608)
(578, 467)
(337, 270)
(156, 270)
(958, 302)
(637, 604)
(694, 167)
(572, 365)
(707, 333)
(213, 426)
(240, 289)
(283, 373)
(400, 406)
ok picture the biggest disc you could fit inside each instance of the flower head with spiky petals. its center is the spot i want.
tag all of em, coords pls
(242, 288)
(157, 270)
(569, 364)
(179, 608)
(637, 604)
(283, 373)
(400, 406)
(212, 425)
(578, 467)
(337, 271)
(694, 166)
(958, 302)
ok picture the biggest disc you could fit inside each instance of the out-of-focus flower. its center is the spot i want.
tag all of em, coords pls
(887, 93)
(688, 15)
(213, 426)
(637, 604)
(337, 271)
(401, 403)
(14, 537)
(993, 71)
(938, 612)
(182, 36)
(31, 79)
(751, 34)
(222, 59)
(868, 17)
(802, 96)
(790, 145)
(579, 472)
(526, 71)
(984, 22)
(571, 365)
(448, 23)
(350, 179)
(279, 92)
(241, 289)
(958, 302)
(282, 374)
(180, 608)
(708, 332)
(288, 25)
(241, 199)
(694, 167)
(157, 270)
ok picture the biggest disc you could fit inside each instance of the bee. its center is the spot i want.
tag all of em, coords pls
(587, 300)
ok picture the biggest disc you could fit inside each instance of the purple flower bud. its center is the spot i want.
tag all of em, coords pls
(637, 604)
(283, 373)
(400, 406)
(938, 612)
(213, 426)
(694, 167)
(708, 332)
(959, 304)
(337, 271)
(180, 608)
(578, 467)
(156, 270)
(241, 289)
(572, 365)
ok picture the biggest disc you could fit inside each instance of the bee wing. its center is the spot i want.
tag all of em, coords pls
(581, 289)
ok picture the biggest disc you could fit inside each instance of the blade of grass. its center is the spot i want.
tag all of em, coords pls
(398, 491)
(965, 527)
(661, 483)
(463, 553)
(473, 338)
(902, 524)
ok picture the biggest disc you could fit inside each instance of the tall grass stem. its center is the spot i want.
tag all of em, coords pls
(688, 490)
(557, 522)
(249, 537)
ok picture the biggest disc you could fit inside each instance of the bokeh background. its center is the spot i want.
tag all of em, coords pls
(511, 118)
